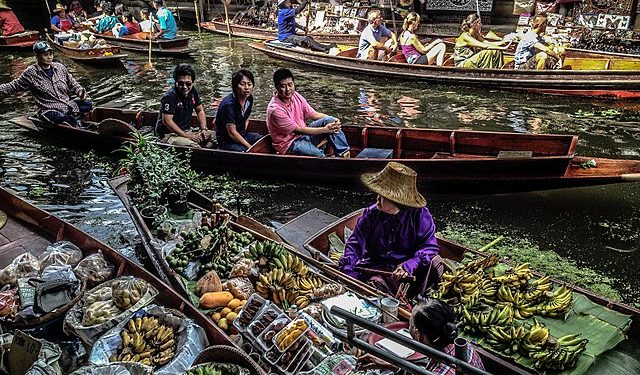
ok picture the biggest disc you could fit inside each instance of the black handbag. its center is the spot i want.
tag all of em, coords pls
(53, 293)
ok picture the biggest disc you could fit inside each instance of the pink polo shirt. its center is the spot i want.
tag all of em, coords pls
(282, 120)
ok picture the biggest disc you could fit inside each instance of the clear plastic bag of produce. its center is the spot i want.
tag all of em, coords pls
(102, 293)
(60, 253)
(22, 266)
(127, 291)
(240, 287)
(213, 368)
(99, 312)
(335, 364)
(120, 368)
(94, 269)
(245, 267)
(189, 340)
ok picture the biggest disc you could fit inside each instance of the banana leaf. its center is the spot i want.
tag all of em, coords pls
(603, 327)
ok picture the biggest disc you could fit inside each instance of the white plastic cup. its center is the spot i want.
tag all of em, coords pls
(390, 306)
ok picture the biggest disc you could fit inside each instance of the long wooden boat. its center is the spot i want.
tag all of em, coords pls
(31, 229)
(109, 56)
(447, 160)
(177, 47)
(23, 40)
(319, 246)
(586, 78)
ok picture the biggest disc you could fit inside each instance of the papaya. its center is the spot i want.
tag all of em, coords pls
(210, 282)
(212, 300)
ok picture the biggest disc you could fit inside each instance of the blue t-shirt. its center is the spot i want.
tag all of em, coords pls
(369, 37)
(167, 22)
(286, 23)
(181, 107)
(106, 23)
(56, 20)
(230, 112)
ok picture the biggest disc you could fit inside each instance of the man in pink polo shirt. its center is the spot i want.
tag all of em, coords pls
(286, 115)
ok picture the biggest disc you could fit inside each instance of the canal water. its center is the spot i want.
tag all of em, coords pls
(596, 227)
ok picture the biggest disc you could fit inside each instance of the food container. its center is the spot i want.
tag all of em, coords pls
(300, 360)
(288, 361)
(320, 332)
(260, 323)
(265, 339)
(249, 312)
(290, 334)
(273, 355)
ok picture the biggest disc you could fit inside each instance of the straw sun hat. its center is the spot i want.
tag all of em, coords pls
(59, 8)
(397, 183)
(4, 5)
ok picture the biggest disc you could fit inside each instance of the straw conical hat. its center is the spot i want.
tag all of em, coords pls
(4, 5)
(396, 182)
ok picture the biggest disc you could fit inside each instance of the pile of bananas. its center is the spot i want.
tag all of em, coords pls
(483, 321)
(558, 305)
(564, 355)
(290, 333)
(146, 341)
(528, 342)
(278, 285)
(539, 290)
(264, 252)
(516, 277)
(289, 263)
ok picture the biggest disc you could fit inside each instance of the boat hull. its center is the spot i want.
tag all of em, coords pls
(178, 47)
(605, 84)
(250, 32)
(93, 57)
(24, 40)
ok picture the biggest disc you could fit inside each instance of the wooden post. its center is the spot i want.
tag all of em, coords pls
(393, 16)
(46, 5)
(195, 7)
(478, 7)
(306, 30)
(226, 17)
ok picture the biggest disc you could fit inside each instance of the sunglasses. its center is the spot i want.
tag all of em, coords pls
(183, 84)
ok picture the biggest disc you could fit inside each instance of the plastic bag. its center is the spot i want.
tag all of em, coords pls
(100, 312)
(9, 303)
(523, 7)
(94, 269)
(60, 253)
(190, 340)
(243, 268)
(103, 293)
(127, 291)
(121, 368)
(240, 287)
(22, 266)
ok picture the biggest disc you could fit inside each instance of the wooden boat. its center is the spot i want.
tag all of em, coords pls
(318, 245)
(447, 160)
(586, 78)
(109, 56)
(23, 40)
(31, 229)
(178, 47)
(260, 33)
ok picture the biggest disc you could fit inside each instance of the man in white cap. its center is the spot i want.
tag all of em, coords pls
(397, 235)
(287, 27)
(9, 23)
(50, 84)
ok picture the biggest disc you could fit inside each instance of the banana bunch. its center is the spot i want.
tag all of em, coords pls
(278, 285)
(460, 282)
(335, 256)
(535, 339)
(483, 321)
(146, 341)
(481, 263)
(564, 356)
(265, 251)
(538, 290)
(506, 340)
(521, 308)
(288, 335)
(289, 263)
(516, 278)
(558, 305)
(310, 283)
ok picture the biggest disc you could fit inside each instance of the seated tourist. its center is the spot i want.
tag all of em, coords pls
(233, 114)
(531, 52)
(108, 20)
(130, 23)
(166, 21)
(9, 23)
(432, 323)
(286, 115)
(77, 12)
(396, 234)
(61, 22)
(473, 51)
(414, 52)
(376, 40)
(146, 25)
(287, 27)
(176, 108)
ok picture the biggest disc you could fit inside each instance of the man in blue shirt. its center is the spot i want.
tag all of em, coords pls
(287, 27)
(166, 21)
(373, 38)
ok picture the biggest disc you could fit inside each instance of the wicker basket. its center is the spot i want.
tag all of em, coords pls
(229, 354)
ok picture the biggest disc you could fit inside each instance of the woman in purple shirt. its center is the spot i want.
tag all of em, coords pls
(396, 234)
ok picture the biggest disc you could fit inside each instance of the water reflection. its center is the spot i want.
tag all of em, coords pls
(588, 225)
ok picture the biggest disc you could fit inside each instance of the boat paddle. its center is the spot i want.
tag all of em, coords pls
(149, 64)
(226, 17)
(306, 30)
(382, 273)
(195, 7)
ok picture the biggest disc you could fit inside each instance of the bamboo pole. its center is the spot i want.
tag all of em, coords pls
(306, 30)
(490, 244)
(195, 7)
(46, 5)
(478, 7)
(226, 17)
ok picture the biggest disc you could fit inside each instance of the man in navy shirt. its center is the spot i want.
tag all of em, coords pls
(233, 114)
(176, 110)
(287, 27)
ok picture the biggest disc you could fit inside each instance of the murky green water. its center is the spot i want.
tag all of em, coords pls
(586, 224)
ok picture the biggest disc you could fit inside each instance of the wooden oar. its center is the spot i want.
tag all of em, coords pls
(306, 30)
(372, 271)
(149, 63)
(195, 6)
(226, 17)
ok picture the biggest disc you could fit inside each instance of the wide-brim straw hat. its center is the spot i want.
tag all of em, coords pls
(4, 5)
(397, 183)
(59, 8)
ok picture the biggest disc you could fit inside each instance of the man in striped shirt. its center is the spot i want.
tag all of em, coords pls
(50, 84)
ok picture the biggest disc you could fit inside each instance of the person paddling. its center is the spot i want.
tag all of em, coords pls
(50, 84)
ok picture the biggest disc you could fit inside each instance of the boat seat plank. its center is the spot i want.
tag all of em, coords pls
(375, 153)
(298, 231)
(3, 240)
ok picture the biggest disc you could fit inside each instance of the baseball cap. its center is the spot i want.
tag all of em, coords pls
(280, 2)
(41, 47)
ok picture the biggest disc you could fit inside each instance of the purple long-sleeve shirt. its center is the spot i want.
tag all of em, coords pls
(382, 241)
